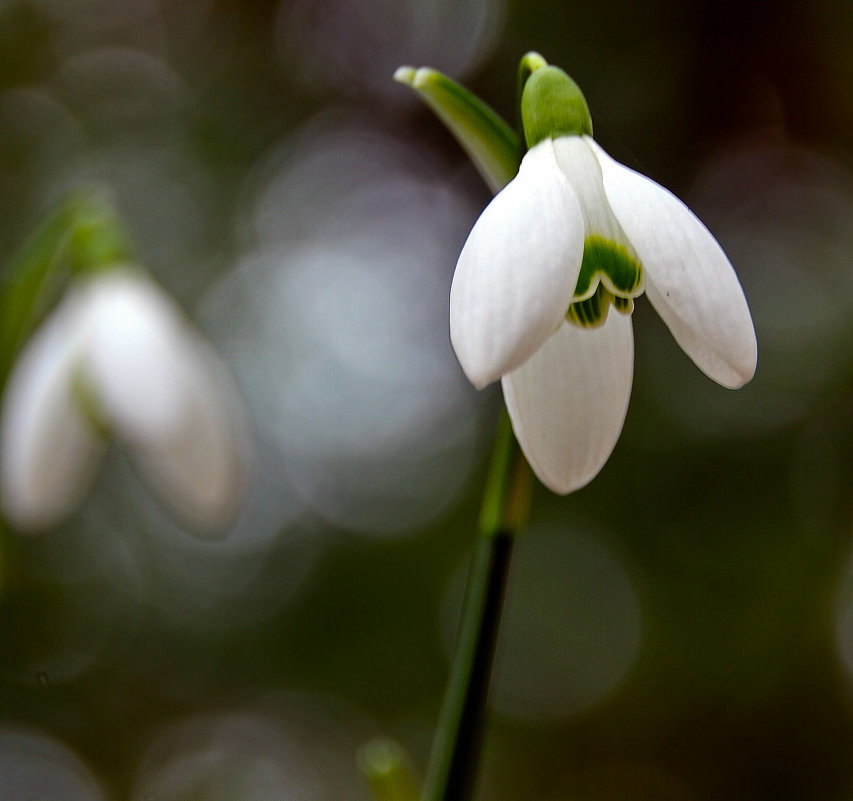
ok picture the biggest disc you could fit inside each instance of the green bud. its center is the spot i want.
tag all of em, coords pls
(388, 771)
(552, 104)
(98, 240)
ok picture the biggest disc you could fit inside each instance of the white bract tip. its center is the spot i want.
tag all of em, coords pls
(405, 74)
(118, 357)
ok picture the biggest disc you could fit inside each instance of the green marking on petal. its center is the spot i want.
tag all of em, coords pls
(592, 311)
(623, 305)
(611, 264)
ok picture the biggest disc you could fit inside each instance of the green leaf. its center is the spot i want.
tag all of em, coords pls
(490, 142)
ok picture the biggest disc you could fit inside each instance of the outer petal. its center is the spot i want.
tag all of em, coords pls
(689, 279)
(134, 356)
(201, 468)
(517, 272)
(167, 398)
(48, 449)
(568, 402)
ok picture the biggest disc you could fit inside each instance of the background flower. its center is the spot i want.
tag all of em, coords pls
(116, 360)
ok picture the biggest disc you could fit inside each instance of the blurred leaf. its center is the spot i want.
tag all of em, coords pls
(82, 235)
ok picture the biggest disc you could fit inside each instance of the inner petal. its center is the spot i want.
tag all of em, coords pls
(592, 311)
(611, 263)
(611, 272)
(609, 275)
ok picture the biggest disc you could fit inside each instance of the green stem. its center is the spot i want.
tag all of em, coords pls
(506, 501)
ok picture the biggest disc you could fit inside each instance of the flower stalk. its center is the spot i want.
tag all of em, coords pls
(506, 502)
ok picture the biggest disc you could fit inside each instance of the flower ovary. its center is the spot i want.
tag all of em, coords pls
(552, 105)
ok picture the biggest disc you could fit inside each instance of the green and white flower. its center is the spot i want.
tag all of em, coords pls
(117, 360)
(545, 286)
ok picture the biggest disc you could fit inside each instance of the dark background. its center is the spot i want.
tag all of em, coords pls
(680, 629)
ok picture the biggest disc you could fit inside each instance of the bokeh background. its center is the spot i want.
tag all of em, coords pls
(680, 630)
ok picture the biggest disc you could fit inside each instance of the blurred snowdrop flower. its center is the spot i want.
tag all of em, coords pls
(280, 747)
(33, 765)
(117, 359)
(573, 234)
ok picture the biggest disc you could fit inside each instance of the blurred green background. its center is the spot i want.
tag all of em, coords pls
(681, 629)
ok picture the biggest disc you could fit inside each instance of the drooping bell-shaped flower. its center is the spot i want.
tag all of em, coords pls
(117, 360)
(545, 285)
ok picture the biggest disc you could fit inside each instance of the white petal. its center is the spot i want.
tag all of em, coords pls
(167, 397)
(689, 279)
(201, 468)
(48, 449)
(568, 402)
(134, 356)
(578, 162)
(517, 272)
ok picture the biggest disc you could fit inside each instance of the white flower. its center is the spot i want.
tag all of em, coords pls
(116, 358)
(573, 234)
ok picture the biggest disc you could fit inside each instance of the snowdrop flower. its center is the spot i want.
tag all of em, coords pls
(117, 359)
(545, 286)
